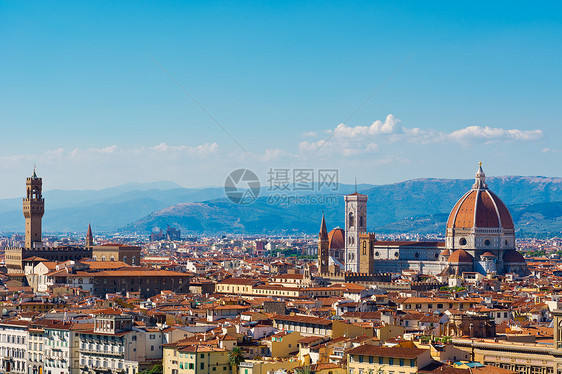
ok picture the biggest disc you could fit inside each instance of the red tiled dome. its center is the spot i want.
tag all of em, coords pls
(480, 208)
(460, 256)
(512, 256)
(336, 238)
(445, 252)
(488, 254)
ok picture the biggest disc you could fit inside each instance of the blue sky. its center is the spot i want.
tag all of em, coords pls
(81, 97)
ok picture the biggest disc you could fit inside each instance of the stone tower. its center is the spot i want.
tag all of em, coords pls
(33, 210)
(557, 324)
(323, 248)
(89, 237)
(366, 253)
(355, 224)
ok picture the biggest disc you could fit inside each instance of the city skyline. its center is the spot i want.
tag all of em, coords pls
(401, 92)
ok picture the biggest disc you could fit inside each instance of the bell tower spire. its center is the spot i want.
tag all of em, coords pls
(323, 248)
(33, 210)
(89, 237)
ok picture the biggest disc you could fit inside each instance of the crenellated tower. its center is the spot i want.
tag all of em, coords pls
(366, 253)
(33, 210)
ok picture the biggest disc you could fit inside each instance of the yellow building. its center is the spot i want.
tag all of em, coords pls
(350, 330)
(128, 254)
(432, 304)
(370, 359)
(276, 290)
(189, 358)
(265, 367)
(283, 344)
(236, 286)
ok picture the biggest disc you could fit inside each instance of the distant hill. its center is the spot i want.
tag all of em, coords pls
(112, 208)
(107, 209)
(415, 206)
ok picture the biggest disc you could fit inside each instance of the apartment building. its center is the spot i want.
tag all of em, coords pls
(367, 358)
(61, 340)
(112, 346)
(13, 346)
(185, 357)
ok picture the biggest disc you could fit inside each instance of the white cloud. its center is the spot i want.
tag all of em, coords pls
(202, 149)
(355, 140)
(488, 133)
(389, 126)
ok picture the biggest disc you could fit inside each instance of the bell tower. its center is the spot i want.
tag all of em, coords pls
(323, 248)
(89, 237)
(355, 224)
(33, 210)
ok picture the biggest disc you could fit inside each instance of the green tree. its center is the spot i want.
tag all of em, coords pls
(303, 370)
(235, 357)
(156, 369)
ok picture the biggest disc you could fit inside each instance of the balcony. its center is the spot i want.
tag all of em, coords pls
(96, 351)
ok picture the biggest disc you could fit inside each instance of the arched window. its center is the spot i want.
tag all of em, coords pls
(133, 260)
(365, 247)
(361, 224)
(351, 219)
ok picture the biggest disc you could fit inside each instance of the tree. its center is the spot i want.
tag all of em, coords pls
(303, 370)
(153, 370)
(235, 357)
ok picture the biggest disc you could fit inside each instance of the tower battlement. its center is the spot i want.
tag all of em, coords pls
(33, 210)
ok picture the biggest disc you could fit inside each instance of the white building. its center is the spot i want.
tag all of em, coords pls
(114, 346)
(13, 346)
(61, 341)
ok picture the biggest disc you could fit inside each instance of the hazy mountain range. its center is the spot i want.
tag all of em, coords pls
(414, 206)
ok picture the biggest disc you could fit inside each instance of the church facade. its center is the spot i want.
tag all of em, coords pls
(480, 237)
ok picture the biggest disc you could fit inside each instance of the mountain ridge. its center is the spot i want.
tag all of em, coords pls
(132, 209)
